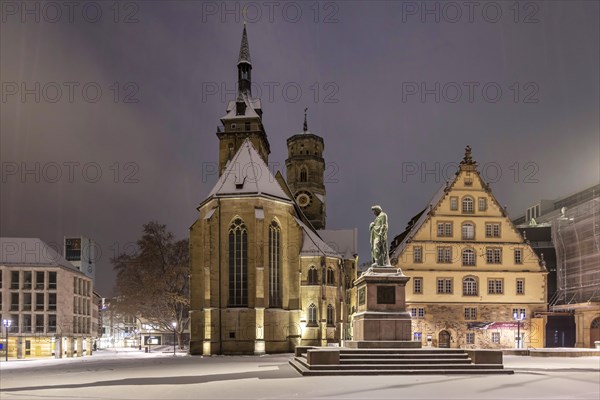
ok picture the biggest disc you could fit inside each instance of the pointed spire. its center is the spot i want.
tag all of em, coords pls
(244, 49)
(305, 128)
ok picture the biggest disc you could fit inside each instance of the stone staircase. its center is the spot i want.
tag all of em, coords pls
(310, 361)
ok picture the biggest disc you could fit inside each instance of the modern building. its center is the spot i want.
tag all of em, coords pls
(263, 279)
(475, 282)
(46, 299)
(570, 230)
(82, 253)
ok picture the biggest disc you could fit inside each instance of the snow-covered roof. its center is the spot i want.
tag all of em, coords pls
(247, 174)
(313, 245)
(252, 105)
(30, 251)
(344, 241)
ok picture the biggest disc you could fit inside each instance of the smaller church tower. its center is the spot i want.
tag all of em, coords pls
(244, 115)
(305, 169)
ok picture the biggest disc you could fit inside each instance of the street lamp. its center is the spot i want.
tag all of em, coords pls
(174, 327)
(519, 317)
(6, 323)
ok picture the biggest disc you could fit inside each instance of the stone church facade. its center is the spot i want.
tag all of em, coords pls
(265, 277)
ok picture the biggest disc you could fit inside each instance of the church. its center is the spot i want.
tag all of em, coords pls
(266, 276)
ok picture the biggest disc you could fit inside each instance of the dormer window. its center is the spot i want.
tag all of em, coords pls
(247, 126)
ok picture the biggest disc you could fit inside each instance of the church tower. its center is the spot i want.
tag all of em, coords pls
(305, 168)
(244, 115)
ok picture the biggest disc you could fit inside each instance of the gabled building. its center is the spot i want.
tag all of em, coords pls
(471, 271)
(262, 278)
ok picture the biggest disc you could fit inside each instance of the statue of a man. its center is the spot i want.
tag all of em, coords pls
(379, 248)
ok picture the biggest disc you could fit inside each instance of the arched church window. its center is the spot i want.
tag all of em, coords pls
(312, 315)
(303, 174)
(274, 265)
(313, 277)
(238, 264)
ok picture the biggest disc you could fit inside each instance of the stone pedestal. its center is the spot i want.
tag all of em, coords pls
(381, 320)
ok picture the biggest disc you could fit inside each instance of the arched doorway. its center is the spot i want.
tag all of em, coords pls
(594, 331)
(444, 339)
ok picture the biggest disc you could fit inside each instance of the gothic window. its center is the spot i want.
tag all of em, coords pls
(330, 277)
(274, 265)
(303, 174)
(469, 286)
(312, 315)
(313, 277)
(330, 314)
(468, 257)
(238, 264)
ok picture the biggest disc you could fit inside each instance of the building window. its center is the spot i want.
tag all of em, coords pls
(421, 312)
(470, 313)
(492, 230)
(495, 286)
(417, 336)
(482, 204)
(468, 231)
(52, 280)
(467, 205)
(39, 280)
(274, 265)
(51, 301)
(313, 277)
(469, 286)
(26, 327)
(27, 279)
(330, 314)
(14, 279)
(418, 285)
(454, 203)
(312, 315)
(518, 256)
(39, 302)
(14, 301)
(493, 255)
(444, 285)
(495, 337)
(247, 126)
(303, 174)
(330, 277)
(238, 264)
(39, 323)
(468, 257)
(520, 286)
(26, 306)
(417, 254)
(470, 338)
(0, 279)
(51, 323)
(444, 229)
(519, 312)
(444, 254)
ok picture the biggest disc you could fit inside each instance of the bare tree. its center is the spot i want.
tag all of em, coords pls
(153, 283)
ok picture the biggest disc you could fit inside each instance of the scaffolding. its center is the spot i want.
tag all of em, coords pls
(576, 239)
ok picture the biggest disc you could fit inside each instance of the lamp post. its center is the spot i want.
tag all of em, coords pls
(174, 327)
(519, 317)
(6, 323)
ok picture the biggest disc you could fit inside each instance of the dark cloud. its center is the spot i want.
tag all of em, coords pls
(353, 72)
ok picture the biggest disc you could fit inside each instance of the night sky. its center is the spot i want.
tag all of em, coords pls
(395, 93)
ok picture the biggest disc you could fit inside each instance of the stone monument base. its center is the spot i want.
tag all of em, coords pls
(381, 320)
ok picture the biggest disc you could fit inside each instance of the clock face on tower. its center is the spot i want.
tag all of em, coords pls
(303, 198)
